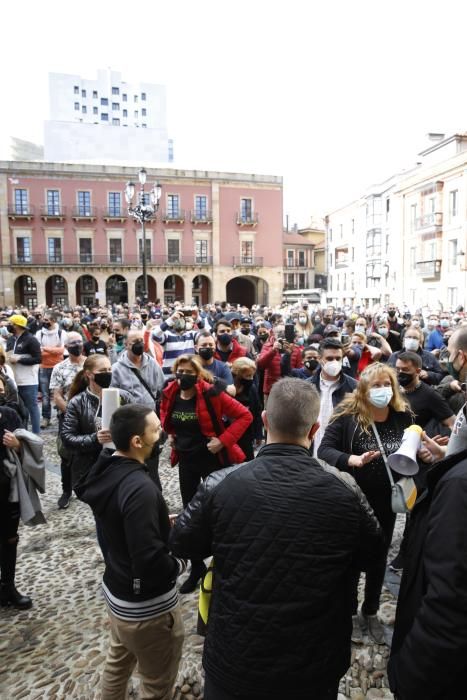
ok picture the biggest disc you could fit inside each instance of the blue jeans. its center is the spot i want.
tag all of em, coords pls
(45, 374)
(29, 396)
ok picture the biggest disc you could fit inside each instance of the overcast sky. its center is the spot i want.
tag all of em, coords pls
(333, 95)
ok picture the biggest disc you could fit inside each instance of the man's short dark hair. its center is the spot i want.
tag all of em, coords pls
(124, 322)
(330, 344)
(127, 422)
(224, 322)
(307, 348)
(293, 407)
(409, 356)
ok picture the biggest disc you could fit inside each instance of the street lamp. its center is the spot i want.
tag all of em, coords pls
(143, 211)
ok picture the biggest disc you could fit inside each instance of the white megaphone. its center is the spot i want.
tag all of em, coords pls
(404, 461)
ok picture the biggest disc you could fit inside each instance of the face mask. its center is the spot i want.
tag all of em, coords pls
(186, 381)
(411, 344)
(432, 324)
(383, 332)
(206, 353)
(405, 378)
(246, 331)
(311, 365)
(95, 337)
(416, 323)
(444, 323)
(75, 350)
(302, 320)
(247, 383)
(103, 379)
(224, 338)
(359, 328)
(46, 324)
(317, 319)
(263, 336)
(137, 348)
(333, 367)
(179, 324)
(10, 328)
(119, 337)
(391, 313)
(451, 364)
(300, 341)
(189, 325)
(144, 318)
(380, 396)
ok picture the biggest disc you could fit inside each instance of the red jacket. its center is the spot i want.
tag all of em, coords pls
(223, 404)
(236, 352)
(269, 360)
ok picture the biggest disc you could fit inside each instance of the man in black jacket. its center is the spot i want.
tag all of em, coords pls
(24, 354)
(139, 579)
(286, 534)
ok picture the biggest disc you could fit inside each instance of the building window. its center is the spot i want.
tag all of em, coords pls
(373, 243)
(76, 89)
(115, 91)
(23, 249)
(453, 204)
(53, 202)
(302, 281)
(115, 106)
(54, 250)
(201, 207)
(143, 112)
(246, 209)
(301, 258)
(201, 251)
(84, 109)
(104, 117)
(94, 94)
(143, 96)
(171, 150)
(246, 253)
(388, 206)
(290, 258)
(21, 201)
(173, 206)
(83, 93)
(85, 250)
(136, 114)
(125, 112)
(76, 106)
(144, 126)
(115, 122)
(115, 204)
(452, 254)
(173, 250)
(413, 259)
(104, 101)
(95, 110)
(413, 214)
(452, 297)
(125, 97)
(148, 250)
(84, 203)
(115, 250)
(135, 98)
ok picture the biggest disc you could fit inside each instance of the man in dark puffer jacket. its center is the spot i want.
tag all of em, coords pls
(285, 534)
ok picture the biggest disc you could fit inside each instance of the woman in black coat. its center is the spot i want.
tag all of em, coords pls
(350, 444)
(244, 374)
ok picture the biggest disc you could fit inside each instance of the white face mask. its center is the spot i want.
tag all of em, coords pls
(302, 320)
(333, 368)
(411, 344)
(416, 323)
(383, 332)
(380, 396)
(359, 328)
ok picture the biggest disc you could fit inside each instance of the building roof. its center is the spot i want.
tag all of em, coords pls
(295, 239)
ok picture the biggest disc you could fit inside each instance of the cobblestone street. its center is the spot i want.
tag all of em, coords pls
(56, 649)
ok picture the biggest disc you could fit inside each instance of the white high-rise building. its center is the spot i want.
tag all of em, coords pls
(106, 120)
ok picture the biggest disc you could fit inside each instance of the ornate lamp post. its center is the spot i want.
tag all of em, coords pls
(143, 212)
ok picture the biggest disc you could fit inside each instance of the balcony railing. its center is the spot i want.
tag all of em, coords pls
(24, 211)
(114, 214)
(342, 261)
(201, 217)
(84, 212)
(429, 269)
(87, 260)
(294, 263)
(53, 211)
(247, 261)
(429, 221)
(172, 216)
(247, 218)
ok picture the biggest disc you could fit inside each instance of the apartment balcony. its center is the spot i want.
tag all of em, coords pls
(83, 213)
(247, 218)
(173, 217)
(342, 261)
(89, 260)
(429, 223)
(428, 269)
(247, 261)
(201, 217)
(53, 212)
(295, 264)
(24, 212)
(114, 214)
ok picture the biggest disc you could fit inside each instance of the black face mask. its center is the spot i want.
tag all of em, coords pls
(46, 325)
(247, 383)
(137, 348)
(119, 337)
(95, 338)
(206, 353)
(391, 313)
(224, 338)
(186, 381)
(10, 328)
(311, 364)
(405, 378)
(2, 399)
(75, 350)
(263, 336)
(103, 379)
(144, 318)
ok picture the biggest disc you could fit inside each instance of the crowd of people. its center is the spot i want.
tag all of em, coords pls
(309, 402)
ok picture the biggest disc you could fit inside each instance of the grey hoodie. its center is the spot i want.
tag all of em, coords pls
(123, 377)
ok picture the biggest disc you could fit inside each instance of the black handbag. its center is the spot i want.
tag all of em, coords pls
(222, 454)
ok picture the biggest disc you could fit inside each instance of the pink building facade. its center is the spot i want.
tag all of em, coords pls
(66, 237)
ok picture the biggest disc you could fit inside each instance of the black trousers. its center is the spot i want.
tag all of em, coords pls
(314, 691)
(192, 468)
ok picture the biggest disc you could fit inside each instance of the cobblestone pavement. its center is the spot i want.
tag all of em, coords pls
(56, 650)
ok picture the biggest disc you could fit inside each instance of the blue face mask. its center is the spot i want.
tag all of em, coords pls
(380, 396)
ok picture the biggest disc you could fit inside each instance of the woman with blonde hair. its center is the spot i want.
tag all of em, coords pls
(376, 409)
(244, 373)
(192, 412)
